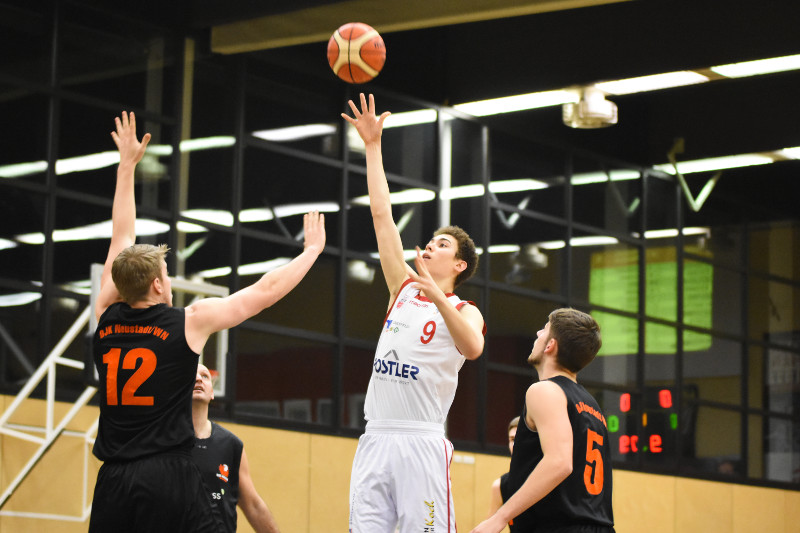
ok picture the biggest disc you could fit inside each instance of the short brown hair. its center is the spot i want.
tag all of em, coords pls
(465, 251)
(135, 268)
(514, 423)
(577, 335)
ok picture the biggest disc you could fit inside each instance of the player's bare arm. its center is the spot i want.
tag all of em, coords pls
(546, 405)
(123, 211)
(465, 325)
(210, 315)
(390, 246)
(253, 505)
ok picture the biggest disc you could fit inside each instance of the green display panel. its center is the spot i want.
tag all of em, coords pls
(614, 283)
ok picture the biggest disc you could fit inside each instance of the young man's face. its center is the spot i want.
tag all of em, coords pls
(440, 254)
(203, 386)
(512, 434)
(542, 338)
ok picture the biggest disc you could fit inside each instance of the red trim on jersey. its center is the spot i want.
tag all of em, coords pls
(470, 302)
(403, 286)
(449, 496)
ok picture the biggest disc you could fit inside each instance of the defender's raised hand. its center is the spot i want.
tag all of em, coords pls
(130, 149)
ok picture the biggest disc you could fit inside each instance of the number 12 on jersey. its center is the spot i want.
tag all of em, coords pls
(129, 362)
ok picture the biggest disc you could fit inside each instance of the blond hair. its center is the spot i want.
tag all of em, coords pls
(135, 268)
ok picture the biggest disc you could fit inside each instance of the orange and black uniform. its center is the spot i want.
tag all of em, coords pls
(582, 502)
(218, 458)
(148, 481)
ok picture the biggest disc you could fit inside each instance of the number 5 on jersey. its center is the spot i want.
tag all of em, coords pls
(145, 370)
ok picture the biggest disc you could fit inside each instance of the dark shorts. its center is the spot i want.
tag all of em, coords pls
(577, 528)
(162, 493)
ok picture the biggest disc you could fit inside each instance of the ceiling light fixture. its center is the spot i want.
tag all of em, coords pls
(591, 111)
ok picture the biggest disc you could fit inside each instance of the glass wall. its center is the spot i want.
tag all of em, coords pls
(699, 373)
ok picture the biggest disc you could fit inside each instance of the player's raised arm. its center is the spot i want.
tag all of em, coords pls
(390, 246)
(215, 314)
(123, 211)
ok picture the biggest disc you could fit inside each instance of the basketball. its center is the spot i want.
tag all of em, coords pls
(356, 52)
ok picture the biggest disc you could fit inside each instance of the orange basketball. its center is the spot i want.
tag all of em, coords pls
(356, 52)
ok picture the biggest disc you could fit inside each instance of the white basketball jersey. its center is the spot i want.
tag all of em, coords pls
(415, 370)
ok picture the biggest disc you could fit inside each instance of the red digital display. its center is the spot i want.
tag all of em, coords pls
(648, 430)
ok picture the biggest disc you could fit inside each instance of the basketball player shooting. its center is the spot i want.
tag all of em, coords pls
(401, 470)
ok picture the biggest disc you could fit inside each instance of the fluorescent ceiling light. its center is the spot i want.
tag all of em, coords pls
(18, 170)
(588, 240)
(215, 216)
(206, 143)
(409, 118)
(503, 248)
(792, 153)
(462, 191)
(759, 66)
(295, 133)
(264, 214)
(246, 270)
(521, 102)
(408, 196)
(5, 244)
(654, 82)
(100, 230)
(188, 227)
(86, 162)
(263, 266)
(673, 232)
(21, 298)
(516, 185)
(716, 163)
(585, 178)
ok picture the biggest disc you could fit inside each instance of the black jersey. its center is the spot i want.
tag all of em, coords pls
(147, 373)
(505, 494)
(218, 458)
(584, 497)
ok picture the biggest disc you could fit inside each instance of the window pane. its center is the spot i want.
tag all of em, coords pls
(504, 400)
(526, 175)
(21, 234)
(606, 198)
(311, 304)
(772, 310)
(356, 373)
(533, 262)
(21, 321)
(461, 423)
(367, 300)
(25, 34)
(714, 443)
(660, 365)
(263, 363)
(23, 156)
(716, 372)
(114, 57)
(775, 249)
(613, 275)
(782, 453)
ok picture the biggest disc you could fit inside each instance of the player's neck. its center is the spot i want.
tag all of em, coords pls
(550, 369)
(202, 425)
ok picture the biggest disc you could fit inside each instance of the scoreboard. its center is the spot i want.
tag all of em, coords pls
(649, 426)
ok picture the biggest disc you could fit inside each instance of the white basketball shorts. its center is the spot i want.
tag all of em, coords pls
(401, 479)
